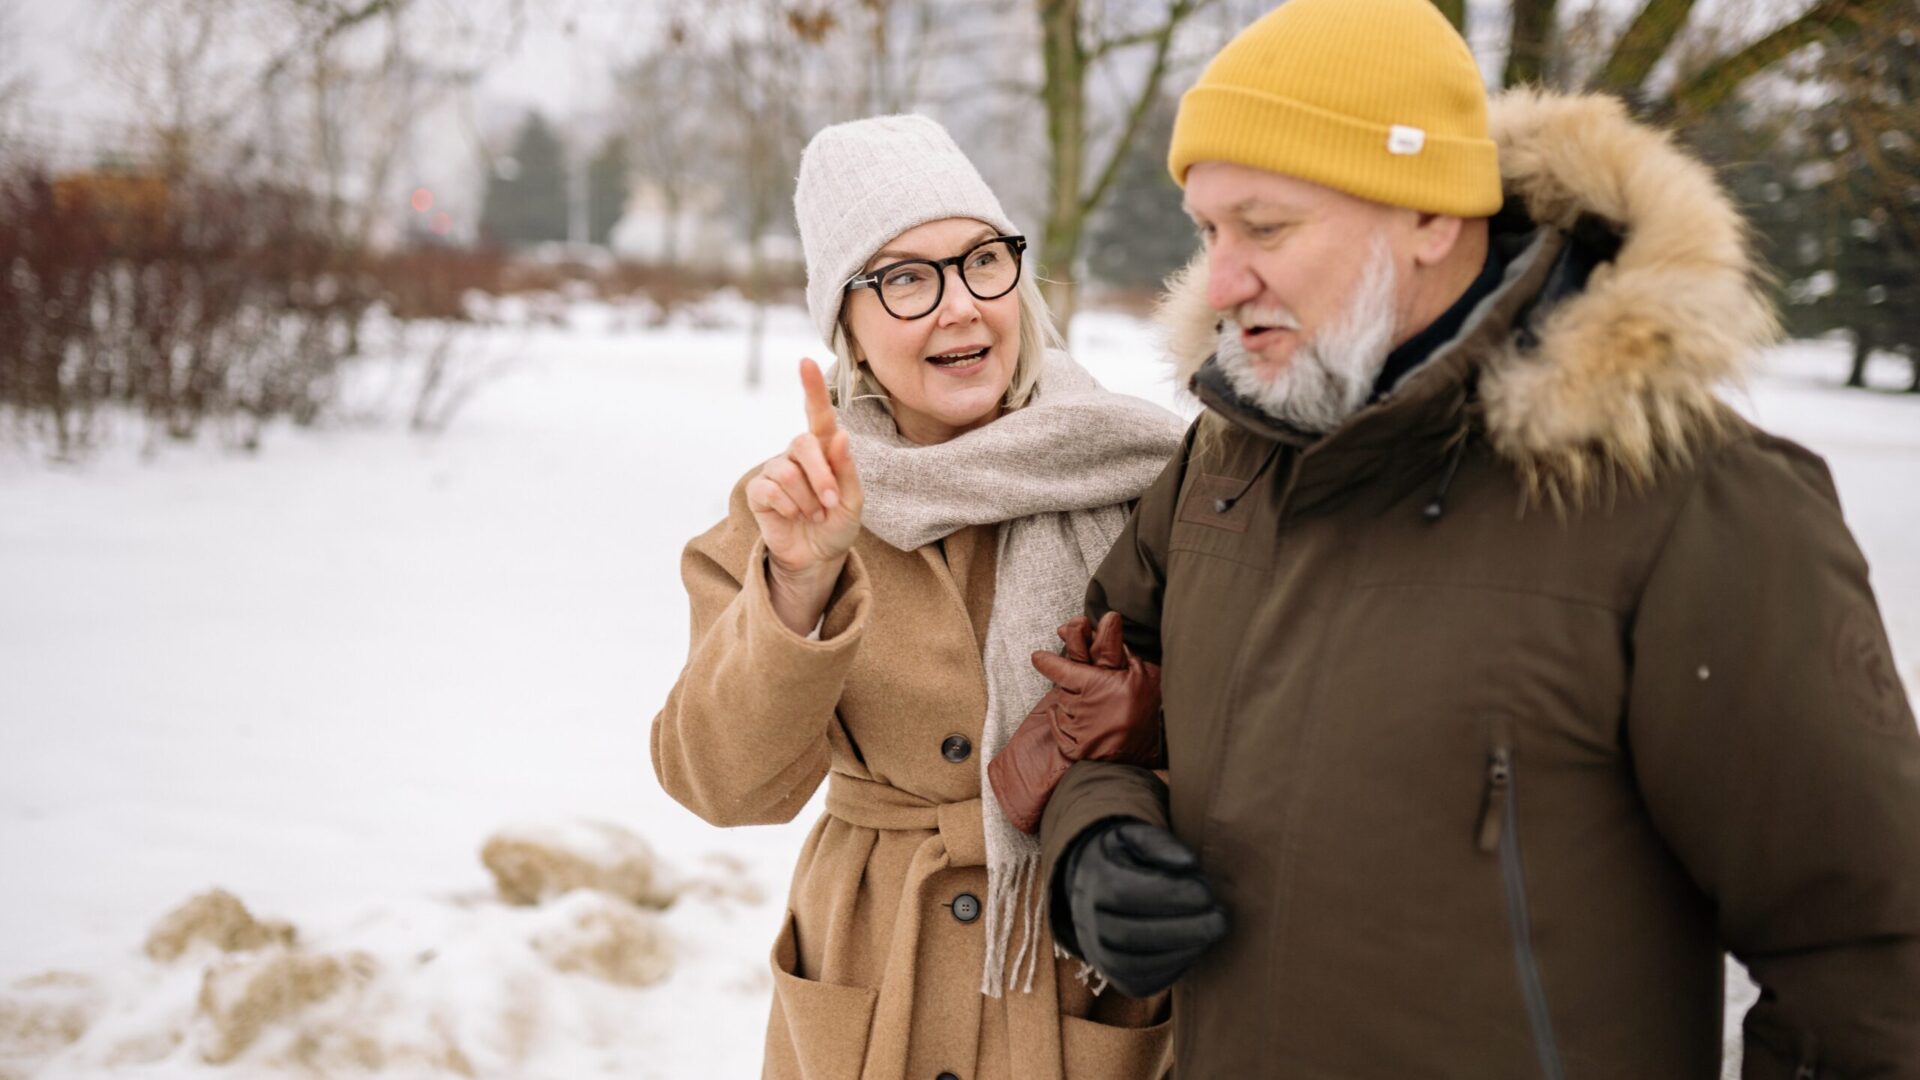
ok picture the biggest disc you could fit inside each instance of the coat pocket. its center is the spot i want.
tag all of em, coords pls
(1092, 1049)
(818, 1030)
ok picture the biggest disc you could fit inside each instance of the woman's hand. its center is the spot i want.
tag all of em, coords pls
(1104, 706)
(807, 504)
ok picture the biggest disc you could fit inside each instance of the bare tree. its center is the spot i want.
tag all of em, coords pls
(185, 74)
(659, 104)
(1074, 39)
(900, 39)
(15, 85)
(348, 87)
(1659, 30)
(767, 76)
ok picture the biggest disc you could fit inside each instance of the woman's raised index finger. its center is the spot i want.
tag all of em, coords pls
(820, 419)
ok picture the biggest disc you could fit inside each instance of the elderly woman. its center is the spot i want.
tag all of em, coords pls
(865, 615)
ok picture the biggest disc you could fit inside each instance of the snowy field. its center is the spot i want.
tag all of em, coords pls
(321, 677)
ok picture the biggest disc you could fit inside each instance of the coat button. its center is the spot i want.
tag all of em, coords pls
(966, 907)
(956, 748)
(946, 1076)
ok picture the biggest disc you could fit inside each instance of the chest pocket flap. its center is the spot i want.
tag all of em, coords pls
(1217, 502)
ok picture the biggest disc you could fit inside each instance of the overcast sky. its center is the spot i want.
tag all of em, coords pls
(561, 61)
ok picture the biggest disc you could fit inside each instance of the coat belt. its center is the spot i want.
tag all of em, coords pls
(870, 804)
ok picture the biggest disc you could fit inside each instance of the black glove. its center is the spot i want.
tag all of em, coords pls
(1140, 912)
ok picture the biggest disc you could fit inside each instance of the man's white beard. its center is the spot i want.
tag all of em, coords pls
(1330, 376)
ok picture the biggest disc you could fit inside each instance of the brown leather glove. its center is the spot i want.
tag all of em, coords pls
(1104, 706)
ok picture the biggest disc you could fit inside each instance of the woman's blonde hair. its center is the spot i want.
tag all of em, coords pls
(851, 379)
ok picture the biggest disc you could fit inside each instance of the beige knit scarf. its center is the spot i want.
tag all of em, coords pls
(1055, 475)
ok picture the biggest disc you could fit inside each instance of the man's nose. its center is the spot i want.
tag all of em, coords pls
(1230, 281)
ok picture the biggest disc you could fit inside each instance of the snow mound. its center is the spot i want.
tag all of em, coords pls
(535, 863)
(570, 968)
(42, 1015)
(606, 938)
(731, 879)
(241, 996)
(218, 918)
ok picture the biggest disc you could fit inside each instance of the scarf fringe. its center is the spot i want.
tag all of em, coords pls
(1088, 975)
(1013, 896)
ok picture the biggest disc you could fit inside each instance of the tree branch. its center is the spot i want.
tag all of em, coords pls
(1124, 41)
(338, 22)
(1645, 41)
(1149, 93)
(1716, 82)
(1159, 33)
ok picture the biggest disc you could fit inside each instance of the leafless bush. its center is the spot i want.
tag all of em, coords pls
(434, 282)
(195, 306)
(177, 300)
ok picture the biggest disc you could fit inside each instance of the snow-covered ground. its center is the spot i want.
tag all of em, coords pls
(321, 677)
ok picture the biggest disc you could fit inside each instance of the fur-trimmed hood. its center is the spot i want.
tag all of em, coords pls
(1622, 378)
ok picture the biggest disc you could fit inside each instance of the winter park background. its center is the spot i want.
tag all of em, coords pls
(365, 365)
(322, 677)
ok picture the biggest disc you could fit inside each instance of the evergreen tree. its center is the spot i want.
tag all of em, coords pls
(1834, 190)
(607, 181)
(526, 198)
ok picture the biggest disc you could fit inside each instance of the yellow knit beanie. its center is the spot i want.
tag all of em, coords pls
(1376, 98)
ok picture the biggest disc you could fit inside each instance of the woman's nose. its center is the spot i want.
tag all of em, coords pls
(958, 304)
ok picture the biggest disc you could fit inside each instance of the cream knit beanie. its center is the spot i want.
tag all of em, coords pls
(865, 182)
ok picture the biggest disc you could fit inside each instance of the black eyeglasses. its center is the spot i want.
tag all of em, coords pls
(913, 288)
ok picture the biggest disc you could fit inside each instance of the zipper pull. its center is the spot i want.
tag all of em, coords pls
(1499, 781)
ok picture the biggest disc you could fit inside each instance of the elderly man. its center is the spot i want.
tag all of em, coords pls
(1509, 678)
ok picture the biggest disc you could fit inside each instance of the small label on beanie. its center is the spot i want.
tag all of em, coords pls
(1405, 140)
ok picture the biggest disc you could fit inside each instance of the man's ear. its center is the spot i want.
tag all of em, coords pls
(1434, 237)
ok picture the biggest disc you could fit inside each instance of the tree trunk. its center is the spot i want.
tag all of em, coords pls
(757, 322)
(1531, 41)
(1072, 202)
(1064, 93)
(670, 232)
(1862, 352)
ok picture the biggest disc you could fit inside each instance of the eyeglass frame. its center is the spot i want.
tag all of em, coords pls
(872, 279)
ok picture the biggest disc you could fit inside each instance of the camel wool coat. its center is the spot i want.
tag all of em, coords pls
(876, 969)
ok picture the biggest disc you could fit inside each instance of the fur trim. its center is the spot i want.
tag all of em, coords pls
(1623, 379)
(1186, 320)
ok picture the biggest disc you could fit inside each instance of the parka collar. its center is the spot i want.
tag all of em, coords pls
(1620, 378)
(1432, 409)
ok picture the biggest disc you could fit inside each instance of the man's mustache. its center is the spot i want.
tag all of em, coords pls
(1265, 316)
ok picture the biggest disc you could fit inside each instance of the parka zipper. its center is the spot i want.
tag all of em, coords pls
(1809, 1067)
(1499, 833)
